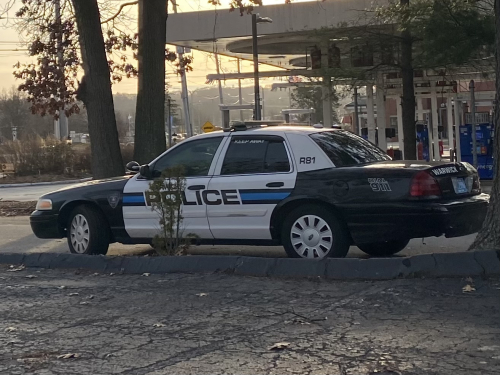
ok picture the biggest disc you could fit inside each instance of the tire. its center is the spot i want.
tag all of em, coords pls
(382, 249)
(88, 231)
(304, 234)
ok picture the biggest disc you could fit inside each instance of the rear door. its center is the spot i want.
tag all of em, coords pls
(255, 173)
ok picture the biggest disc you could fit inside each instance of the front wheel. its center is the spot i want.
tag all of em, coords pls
(381, 249)
(313, 232)
(88, 231)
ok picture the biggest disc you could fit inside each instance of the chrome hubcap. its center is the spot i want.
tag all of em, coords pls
(79, 233)
(311, 237)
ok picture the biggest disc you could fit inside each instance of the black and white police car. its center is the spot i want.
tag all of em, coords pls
(314, 191)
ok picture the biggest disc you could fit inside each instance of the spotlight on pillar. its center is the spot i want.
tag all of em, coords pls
(256, 18)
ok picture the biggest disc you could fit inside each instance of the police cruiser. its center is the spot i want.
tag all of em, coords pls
(314, 191)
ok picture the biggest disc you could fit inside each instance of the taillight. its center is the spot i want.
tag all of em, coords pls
(424, 185)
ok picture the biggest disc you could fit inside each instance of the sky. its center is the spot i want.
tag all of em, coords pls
(204, 63)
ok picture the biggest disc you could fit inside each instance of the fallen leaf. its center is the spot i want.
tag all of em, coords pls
(73, 294)
(468, 288)
(84, 303)
(30, 276)
(68, 356)
(16, 269)
(146, 274)
(10, 329)
(61, 287)
(202, 294)
(158, 325)
(296, 321)
(279, 346)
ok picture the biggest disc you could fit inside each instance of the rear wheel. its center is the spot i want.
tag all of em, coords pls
(313, 232)
(381, 249)
(88, 231)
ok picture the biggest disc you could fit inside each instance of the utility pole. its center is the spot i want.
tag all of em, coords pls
(184, 90)
(60, 125)
(221, 99)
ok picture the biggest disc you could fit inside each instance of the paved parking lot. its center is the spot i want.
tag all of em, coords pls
(59, 322)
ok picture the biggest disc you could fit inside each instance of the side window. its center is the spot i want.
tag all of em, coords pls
(195, 156)
(277, 157)
(247, 155)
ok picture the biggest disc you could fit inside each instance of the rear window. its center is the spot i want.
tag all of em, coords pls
(347, 149)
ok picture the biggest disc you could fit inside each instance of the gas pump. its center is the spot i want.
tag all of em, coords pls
(422, 142)
(485, 134)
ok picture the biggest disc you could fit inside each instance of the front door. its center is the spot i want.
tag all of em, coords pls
(255, 175)
(197, 157)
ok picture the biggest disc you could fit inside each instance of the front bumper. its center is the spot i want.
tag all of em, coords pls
(45, 224)
(406, 220)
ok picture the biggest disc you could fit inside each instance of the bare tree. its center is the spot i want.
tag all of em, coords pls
(95, 92)
(150, 111)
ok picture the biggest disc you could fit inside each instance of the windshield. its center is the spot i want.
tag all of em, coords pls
(347, 149)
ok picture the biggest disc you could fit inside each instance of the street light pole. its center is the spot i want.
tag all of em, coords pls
(257, 19)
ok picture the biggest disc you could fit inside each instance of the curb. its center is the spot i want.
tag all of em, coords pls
(478, 263)
(45, 183)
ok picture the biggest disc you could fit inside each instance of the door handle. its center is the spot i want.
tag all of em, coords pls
(275, 184)
(196, 187)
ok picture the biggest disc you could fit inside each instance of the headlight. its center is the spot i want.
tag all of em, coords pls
(44, 205)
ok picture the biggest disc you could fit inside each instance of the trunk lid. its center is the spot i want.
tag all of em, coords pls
(455, 179)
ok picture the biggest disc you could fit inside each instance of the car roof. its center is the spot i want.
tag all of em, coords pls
(267, 129)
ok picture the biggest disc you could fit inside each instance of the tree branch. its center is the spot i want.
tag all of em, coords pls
(119, 11)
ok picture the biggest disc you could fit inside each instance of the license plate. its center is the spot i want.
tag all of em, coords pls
(460, 186)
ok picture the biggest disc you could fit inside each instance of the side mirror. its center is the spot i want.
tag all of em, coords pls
(145, 171)
(133, 166)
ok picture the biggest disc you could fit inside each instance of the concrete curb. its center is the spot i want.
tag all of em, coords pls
(481, 263)
(45, 183)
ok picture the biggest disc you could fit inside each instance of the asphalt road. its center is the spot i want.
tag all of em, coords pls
(16, 237)
(28, 193)
(221, 324)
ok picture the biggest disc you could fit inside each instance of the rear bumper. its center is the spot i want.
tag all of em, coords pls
(46, 225)
(385, 222)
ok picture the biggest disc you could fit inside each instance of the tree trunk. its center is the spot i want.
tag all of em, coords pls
(488, 237)
(98, 98)
(150, 111)
(408, 99)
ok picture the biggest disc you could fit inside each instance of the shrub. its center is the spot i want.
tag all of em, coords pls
(35, 155)
(165, 194)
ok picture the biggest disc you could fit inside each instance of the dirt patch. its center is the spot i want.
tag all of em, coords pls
(10, 179)
(14, 208)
